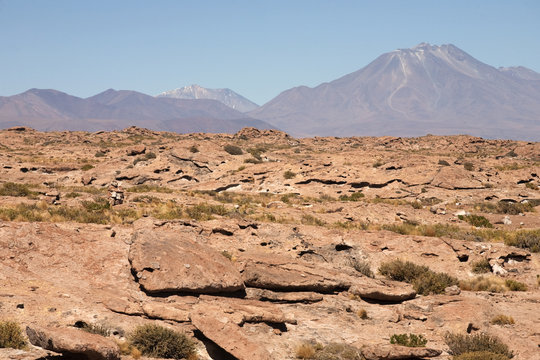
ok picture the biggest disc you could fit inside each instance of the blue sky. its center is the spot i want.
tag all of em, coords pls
(257, 48)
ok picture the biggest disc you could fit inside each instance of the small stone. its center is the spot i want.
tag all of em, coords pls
(452, 290)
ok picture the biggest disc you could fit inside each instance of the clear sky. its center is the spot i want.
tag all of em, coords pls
(257, 48)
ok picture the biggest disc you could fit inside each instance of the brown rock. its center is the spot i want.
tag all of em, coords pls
(382, 290)
(282, 273)
(73, 342)
(169, 262)
(229, 336)
(136, 150)
(453, 178)
(283, 297)
(87, 179)
(156, 310)
(397, 352)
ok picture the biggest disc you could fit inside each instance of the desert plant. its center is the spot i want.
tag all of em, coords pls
(338, 351)
(411, 340)
(232, 149)
(87, 167)
(481, 266)
(460, 344)
(353, 197)
(308, 219)
(481, 355)
(531, 186)
(289, 174)
(502, 320)
(93, 328)
(16, 189)
(400, 270)
(483, 283)
(99, 154)
(514, 285)
(362, 314)
(204, 211)
(158, 341)
(305, 351)
(476, 220)
(378, 163)
(468, 166)
(433, 283)
(11, 335)
(193, 149)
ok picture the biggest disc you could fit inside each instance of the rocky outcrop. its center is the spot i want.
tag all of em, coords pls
(382, 290)
(174, 263)
(74, 342)
(397, 352)
(453, 178)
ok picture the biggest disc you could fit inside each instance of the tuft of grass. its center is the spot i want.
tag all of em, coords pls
(309, 219)
(461, 344)
(505, 207)
(149, 188)
(334, 351)
(502, 320)
(204, 211)
(353, 197)
(193, 149)
(158, 341)
(411, 340)
(476, 220)
(233, 150)
(526, 239)
(11, 336)
(145, 157)
(289, 174)
(481, 266)
(483, 283)
(362, 314)
(305, 351)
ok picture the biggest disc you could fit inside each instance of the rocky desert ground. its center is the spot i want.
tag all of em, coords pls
(259, 246)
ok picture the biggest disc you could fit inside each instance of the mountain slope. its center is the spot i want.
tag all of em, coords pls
(225, 96)
(111, 109)
(409, 92)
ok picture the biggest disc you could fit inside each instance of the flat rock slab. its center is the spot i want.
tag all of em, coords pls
(27, 354)
(230, 337)
(167, 262)
(382, 290)
(289, 274)
(397, 352)
(453, 178)
(74, 342)
(283, 297)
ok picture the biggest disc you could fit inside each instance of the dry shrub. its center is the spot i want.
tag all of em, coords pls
(363, 267)
(483, 283)
(233, 150)
(514, 285)
(338, 351)
(481, 266)
(481, 355)
(502, 320)
(305, 351)
(461, 344)
(11, 335)
(158, 341)
(362, 314)
(526, 239)
(476, 220)
(411, 340)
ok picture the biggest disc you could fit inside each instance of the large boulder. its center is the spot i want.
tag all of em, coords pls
(75, 343)
(454, 178)
(173, 262)
(288, 274)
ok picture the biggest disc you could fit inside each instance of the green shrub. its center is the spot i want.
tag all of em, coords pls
(11, 335)
(481, 266)
(15, 189)
(476, 220)
(481, 355)
(461, 344)
(502, 320)
(526, 239)
(410, 340)
(433, 283)
(157, 341)
(514, 285)
(233, 150)
(289, 174)
(400, 270)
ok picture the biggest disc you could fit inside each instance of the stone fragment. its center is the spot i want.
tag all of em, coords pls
(136, 150)
(452, 290)
(382, 290)
(283, 297)
(72, 342)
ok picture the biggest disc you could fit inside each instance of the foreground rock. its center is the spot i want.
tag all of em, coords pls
(169, 262)
(382, 290)
(397, 352)
(73, 342)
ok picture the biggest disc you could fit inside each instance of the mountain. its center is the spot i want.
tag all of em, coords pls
(225, 96)
(111, 109)
(411, 92)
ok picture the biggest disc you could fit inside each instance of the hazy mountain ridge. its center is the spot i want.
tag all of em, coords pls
(225, 96)
(410, 92)
(112, 109)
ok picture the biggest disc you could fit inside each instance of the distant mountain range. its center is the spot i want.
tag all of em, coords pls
(111, 109)
(410, 92)
(225, 96)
